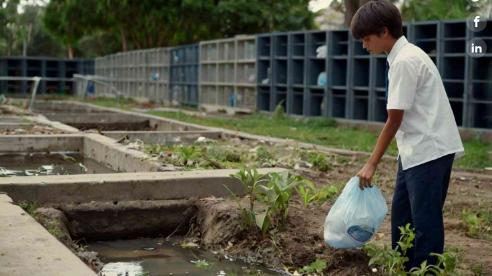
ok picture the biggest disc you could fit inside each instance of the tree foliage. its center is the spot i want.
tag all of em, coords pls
(159, 23)
(421, 10)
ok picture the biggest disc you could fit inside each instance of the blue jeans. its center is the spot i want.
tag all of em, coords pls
(419, 197)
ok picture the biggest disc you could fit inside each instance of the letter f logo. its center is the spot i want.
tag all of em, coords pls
(476, 20)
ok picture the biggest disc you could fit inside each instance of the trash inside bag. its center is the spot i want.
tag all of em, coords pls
(355, 217)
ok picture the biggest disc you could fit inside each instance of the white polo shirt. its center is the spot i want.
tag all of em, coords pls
(428, 130)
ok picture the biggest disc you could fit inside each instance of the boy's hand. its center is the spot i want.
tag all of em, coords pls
(365, 176)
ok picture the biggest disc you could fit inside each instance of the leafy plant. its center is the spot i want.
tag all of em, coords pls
(477, 270)
(189, 153)
(391, 262)
(308, 195)
(479, 224)
(311, 194)
(319, 160)
(329, 193)
(317, 266)
(279, 113)
(30, 208)
(202, 264)
(251, 180)
(263, 155)
(277, 194)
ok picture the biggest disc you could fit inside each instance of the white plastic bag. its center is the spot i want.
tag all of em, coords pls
(355, 217)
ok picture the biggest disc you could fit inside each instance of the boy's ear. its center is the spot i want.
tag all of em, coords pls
(385, 32)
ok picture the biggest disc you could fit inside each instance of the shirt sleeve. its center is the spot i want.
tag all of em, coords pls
(402, 86)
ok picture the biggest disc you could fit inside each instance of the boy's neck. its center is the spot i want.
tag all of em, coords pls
(391, 42)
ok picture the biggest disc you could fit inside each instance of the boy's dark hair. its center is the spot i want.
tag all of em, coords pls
(373, 16)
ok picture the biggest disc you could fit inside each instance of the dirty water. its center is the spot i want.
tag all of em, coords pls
(155, 257)
(32, 164)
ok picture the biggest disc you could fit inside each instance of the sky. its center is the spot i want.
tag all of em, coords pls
(316, 5)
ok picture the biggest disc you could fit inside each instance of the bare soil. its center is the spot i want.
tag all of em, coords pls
(301, 241)
(33, 130)
(137, 126)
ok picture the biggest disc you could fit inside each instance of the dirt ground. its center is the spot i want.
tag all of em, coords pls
(301, 242)
(33, 130)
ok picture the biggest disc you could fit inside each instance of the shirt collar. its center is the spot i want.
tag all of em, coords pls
(402, 41)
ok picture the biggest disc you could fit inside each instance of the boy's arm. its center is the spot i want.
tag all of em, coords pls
(395, 117)
(403, 78)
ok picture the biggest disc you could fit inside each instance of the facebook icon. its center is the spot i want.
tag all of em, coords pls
(476, 22)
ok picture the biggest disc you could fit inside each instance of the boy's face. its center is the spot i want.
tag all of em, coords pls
(376, 44)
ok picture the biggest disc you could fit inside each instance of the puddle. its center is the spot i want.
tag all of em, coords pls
(51, 164)
(158, 257)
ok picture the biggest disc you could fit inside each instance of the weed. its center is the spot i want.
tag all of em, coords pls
(308, 195)
(319, 160)
(477, 270)
(30, 208)
(189, 154)
(202, 264)
(279, 113)
(276, 195)
(391, 262)
(315, 267)
(328, 194)
(251, 180)
(263, 155)
(223, 155)
(479, 224)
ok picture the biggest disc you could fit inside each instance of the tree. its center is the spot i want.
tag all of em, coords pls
(67, 20)
(258, 16)
(420, 10)
(160, 23)
(8, 28)
(349, 8)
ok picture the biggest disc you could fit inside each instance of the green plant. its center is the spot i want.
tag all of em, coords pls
(307, 194)
(30, 208)
(314, 267)
(328, 194)
(251, 180)
(263, 155)
(479, 224)
(189, 154)
(276, 195)
(391, 262)
(477, 270)
(311, 194)
(202, 264)
(319, 160)
(279, 113)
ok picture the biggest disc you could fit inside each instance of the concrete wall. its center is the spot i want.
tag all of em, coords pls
(41, 143)
(12, 126)
(162, 137)
(66, 189)
(62, 106)
(94, 118)
(26, 248)
(116, 156)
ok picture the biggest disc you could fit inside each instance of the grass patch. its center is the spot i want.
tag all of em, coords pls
(108, 102)
(319, 131)
(477, 155)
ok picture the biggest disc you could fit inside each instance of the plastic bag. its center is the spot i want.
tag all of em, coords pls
(355, 217)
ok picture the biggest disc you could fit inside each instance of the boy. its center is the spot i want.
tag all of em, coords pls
(420, 116)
